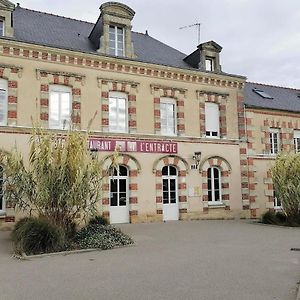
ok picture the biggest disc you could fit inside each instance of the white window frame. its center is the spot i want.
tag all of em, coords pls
(117, 96)
(116, 39)
(209, 106)
(168, 130)
(297, 140)
(211, 66)
(276, 206)
(170, 177)
(213, 188)
(274, 132)
(3, 27)
(4, 87)
(60, 89)
(2, 211)
(118, 178)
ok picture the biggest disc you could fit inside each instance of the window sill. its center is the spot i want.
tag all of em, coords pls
(216, 205)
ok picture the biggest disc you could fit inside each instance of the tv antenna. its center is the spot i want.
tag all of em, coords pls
(194, 25)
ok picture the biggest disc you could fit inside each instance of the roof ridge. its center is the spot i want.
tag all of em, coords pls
(50, 14)
(276, 86)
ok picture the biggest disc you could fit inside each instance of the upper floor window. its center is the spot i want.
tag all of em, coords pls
(1, 27)
(297, 140)
(214, 185)
(3, 102)
(168, 116)
(60, 99)
(2, 206)
(116, 41)
(209, 64)
(212, 120)
(118, 112)
(274, 140)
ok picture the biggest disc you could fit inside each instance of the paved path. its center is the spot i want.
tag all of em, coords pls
(207, 260)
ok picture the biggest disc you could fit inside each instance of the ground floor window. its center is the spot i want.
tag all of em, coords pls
(214, 185)
(169, 179)
(118, 187)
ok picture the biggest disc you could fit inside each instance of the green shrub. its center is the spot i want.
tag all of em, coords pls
(281, 217)
(36, 236)
(101, 237)
(70, 229)
(269, 218)
(98, 220)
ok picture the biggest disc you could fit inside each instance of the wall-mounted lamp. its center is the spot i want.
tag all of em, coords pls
(197, 158)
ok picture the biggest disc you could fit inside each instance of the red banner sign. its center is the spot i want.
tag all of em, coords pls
(110, 145)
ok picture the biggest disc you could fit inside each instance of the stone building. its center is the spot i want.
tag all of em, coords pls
(191, 146)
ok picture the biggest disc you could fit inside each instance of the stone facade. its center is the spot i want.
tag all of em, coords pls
(241, 152)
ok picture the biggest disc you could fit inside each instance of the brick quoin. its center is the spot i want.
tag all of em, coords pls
(12, 114)
(12, 84)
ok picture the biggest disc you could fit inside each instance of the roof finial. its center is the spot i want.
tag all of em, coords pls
(147, 32)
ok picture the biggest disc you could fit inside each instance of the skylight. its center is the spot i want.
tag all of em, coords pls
(262, 93)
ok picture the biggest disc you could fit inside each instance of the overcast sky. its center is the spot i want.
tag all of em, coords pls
(260, 38)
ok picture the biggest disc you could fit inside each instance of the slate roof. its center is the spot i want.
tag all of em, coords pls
(287, 99)
(65, 33)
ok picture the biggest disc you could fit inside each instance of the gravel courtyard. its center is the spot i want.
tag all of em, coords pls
(178, 260)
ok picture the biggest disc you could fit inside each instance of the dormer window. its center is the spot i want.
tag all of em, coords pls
(116, 41)
(209, 64)
(262, 93)
(1, 27)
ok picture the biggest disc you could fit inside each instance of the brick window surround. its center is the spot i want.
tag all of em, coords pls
(75, 81)
(128, 87)
(11, 73)
(182, 167)
(286, 136)
(134, 169)
(225, 168)
(212, 97)
(179, 95)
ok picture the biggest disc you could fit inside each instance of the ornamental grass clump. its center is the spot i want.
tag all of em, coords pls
(36, 236)
(61, 181)
(286, 180)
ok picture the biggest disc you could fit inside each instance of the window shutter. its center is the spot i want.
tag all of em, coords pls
(212, 117)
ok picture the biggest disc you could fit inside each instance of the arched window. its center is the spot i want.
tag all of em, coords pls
(3, 101)
(118, 187)
(60, 99)
(214, 185)
(118, 112)
(2, 206)
(169, 177)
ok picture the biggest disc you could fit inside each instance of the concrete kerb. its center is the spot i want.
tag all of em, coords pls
(65, 253)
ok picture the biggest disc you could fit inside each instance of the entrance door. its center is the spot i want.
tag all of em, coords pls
(170, 198)
(119, 206)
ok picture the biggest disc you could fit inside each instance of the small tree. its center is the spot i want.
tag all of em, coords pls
(286, 180)
(61, 180)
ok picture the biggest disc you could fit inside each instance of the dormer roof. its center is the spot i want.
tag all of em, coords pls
(6, 5)
(211, 45)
